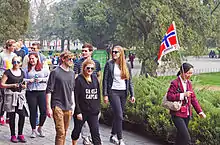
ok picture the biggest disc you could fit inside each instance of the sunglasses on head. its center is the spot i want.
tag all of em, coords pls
(16, 62)
(90, 68)
(115, 52)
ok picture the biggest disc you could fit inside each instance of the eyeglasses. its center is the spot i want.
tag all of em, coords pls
(88, 68)
(115, 52)
(16, 62)
(32, 48)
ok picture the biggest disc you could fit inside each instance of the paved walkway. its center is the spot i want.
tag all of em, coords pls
(202, 64)
(130, 138)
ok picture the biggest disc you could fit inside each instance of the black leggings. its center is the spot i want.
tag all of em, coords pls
(21, 120)
(93, 123)
(183, 136)
(34, 99)
(2, 102)
(117, 100)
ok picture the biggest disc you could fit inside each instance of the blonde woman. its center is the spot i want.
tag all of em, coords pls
(117, 84)
(87, 97)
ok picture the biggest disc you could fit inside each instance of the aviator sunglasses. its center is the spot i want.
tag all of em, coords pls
(16, 62)
(88, 68)
(115, 52)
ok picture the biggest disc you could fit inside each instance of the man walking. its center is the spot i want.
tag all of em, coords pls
(60, 96)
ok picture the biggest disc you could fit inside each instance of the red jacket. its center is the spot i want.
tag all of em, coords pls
(174, 95)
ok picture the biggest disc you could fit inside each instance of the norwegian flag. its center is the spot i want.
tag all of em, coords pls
(169, 42)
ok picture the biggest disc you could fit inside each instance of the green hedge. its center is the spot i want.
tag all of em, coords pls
(155, 120)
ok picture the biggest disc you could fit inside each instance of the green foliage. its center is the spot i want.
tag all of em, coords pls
(94, 22)
(142, 24)
(14, 18)
(156, 120)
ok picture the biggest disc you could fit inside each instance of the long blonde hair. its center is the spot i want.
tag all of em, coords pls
(122, 63)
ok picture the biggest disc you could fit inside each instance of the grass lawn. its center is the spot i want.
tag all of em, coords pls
(212, 79)
(205, 79)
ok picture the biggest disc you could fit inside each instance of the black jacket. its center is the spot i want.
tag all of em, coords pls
(108, 79)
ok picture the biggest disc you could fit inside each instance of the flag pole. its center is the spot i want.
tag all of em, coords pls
(181, 58)
(178, 46)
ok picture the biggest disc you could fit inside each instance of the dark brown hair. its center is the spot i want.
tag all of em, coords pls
(184, 68)
(36, 44)
(87, 45)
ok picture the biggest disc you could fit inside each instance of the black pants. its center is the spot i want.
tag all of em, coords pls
(2, 101)
(117, 100)
(34, 99)
(21, 120)
(183, 136)
(2, 93)
(93, 123)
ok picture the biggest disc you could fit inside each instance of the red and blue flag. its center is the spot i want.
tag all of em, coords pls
(169, 42)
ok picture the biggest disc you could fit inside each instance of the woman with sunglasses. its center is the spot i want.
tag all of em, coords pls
(181, 90)
(117, 84)
(5, 63)
(87, 97)
(15, 101)
(36, 77)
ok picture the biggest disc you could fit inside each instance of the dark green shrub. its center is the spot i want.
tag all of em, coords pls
(154, 119)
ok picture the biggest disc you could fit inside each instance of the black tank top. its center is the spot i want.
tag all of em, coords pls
(12, 79)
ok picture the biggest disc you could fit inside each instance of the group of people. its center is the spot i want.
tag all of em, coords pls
(23, 86)
(27, 84)
(64, 93)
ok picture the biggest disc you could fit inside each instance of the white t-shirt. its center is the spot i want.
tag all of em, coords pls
(118, 83)
(6, 61)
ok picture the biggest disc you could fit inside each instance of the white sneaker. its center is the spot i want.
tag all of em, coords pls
(86, 141)
(113, 139)
(33, 134)
(41, 133)
(121, 142)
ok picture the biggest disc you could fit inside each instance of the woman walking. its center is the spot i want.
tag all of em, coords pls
(87, 97)
(15, 101)
(181, 90)
(36, 78)
(117, 84)
(6, 57)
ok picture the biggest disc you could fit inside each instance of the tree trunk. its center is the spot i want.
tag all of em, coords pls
(41, 44)
(62, 45)
(68, 44)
